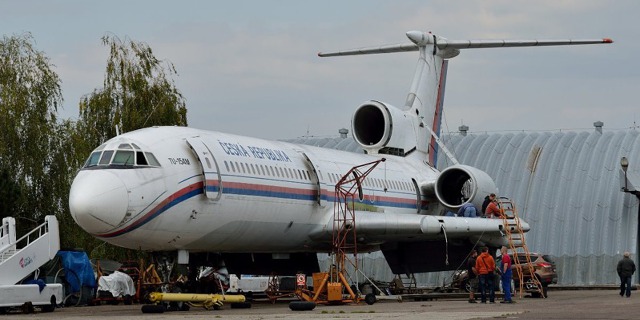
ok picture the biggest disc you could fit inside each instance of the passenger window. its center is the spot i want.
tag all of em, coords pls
(226, 165)
(123, 157)
(233, 168)
(106, 157)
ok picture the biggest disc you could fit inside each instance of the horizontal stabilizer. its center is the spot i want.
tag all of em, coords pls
(475, 44)
(421, 39)
(382, 49)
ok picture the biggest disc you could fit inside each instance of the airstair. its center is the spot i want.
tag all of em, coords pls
(21, 257)
(517, 244)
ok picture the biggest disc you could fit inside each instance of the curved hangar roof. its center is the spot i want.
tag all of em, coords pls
(567, 185)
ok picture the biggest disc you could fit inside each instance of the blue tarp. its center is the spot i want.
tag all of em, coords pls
(77, 269)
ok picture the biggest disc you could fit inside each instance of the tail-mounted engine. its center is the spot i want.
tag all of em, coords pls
(460, 184)
(382, 128)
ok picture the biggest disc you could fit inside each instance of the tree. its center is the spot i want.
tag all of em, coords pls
(137, 93)
(29, 98)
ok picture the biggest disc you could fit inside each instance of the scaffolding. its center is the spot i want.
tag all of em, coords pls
(329, 286)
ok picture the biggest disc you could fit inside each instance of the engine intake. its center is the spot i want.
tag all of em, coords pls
(460, 184)
(377, 127)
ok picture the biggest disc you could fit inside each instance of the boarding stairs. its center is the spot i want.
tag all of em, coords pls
(19, 258)
(517, 244)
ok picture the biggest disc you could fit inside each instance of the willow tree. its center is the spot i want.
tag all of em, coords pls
(138, 92)
(29, 98)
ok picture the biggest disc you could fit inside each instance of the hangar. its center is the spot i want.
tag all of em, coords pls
(569, 186)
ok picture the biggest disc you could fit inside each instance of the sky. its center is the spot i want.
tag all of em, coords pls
(250, 67)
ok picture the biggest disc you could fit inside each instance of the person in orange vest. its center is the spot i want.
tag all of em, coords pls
(486, 266)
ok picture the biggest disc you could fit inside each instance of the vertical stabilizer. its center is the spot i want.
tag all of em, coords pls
(437, 114)
(381, 128)
(426, 96)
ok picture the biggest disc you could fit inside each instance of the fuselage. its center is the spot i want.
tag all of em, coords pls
(171, 188)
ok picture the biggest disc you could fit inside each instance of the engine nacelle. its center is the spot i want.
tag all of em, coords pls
(460, 184)
(382, 128)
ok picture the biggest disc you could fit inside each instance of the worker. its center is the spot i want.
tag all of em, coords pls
(468, 210)
(493, 210)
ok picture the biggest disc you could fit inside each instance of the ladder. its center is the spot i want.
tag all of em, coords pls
(406, 284)
(517, 244)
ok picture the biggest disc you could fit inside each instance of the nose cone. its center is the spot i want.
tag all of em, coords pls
(98, 200)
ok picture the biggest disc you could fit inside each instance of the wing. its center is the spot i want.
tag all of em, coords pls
(415, 243)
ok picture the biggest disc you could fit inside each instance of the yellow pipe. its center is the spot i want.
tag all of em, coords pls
(195, 297)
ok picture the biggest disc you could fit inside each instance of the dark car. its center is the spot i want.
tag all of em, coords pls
(460, 281)
(544, 270)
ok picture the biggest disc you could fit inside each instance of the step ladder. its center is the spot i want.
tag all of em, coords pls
(517, 244)
(405, 284)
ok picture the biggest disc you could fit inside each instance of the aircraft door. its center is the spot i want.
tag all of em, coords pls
(314, 171)
(212, 185)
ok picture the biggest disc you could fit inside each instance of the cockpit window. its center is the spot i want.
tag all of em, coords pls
(140, 159)
(123, 157)
(93, 159)
(106, 157)
(152, 159)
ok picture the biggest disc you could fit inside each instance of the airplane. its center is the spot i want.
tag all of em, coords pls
(261, 206)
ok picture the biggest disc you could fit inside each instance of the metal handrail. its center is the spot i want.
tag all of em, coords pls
(41, 229)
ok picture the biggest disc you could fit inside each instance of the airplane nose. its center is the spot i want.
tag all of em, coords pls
(98, 200)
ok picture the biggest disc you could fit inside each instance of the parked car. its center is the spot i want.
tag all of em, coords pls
(544, 270)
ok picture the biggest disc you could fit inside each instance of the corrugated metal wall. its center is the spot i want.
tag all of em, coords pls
(567, 185)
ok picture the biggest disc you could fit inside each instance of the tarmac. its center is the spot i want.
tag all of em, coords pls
(565, 304)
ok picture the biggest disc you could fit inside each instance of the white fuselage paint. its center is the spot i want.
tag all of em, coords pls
(262, 196)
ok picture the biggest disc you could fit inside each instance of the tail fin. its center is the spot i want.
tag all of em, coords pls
(426, 96)
(437, 116)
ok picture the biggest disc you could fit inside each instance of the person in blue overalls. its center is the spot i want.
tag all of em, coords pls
(505, 269)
